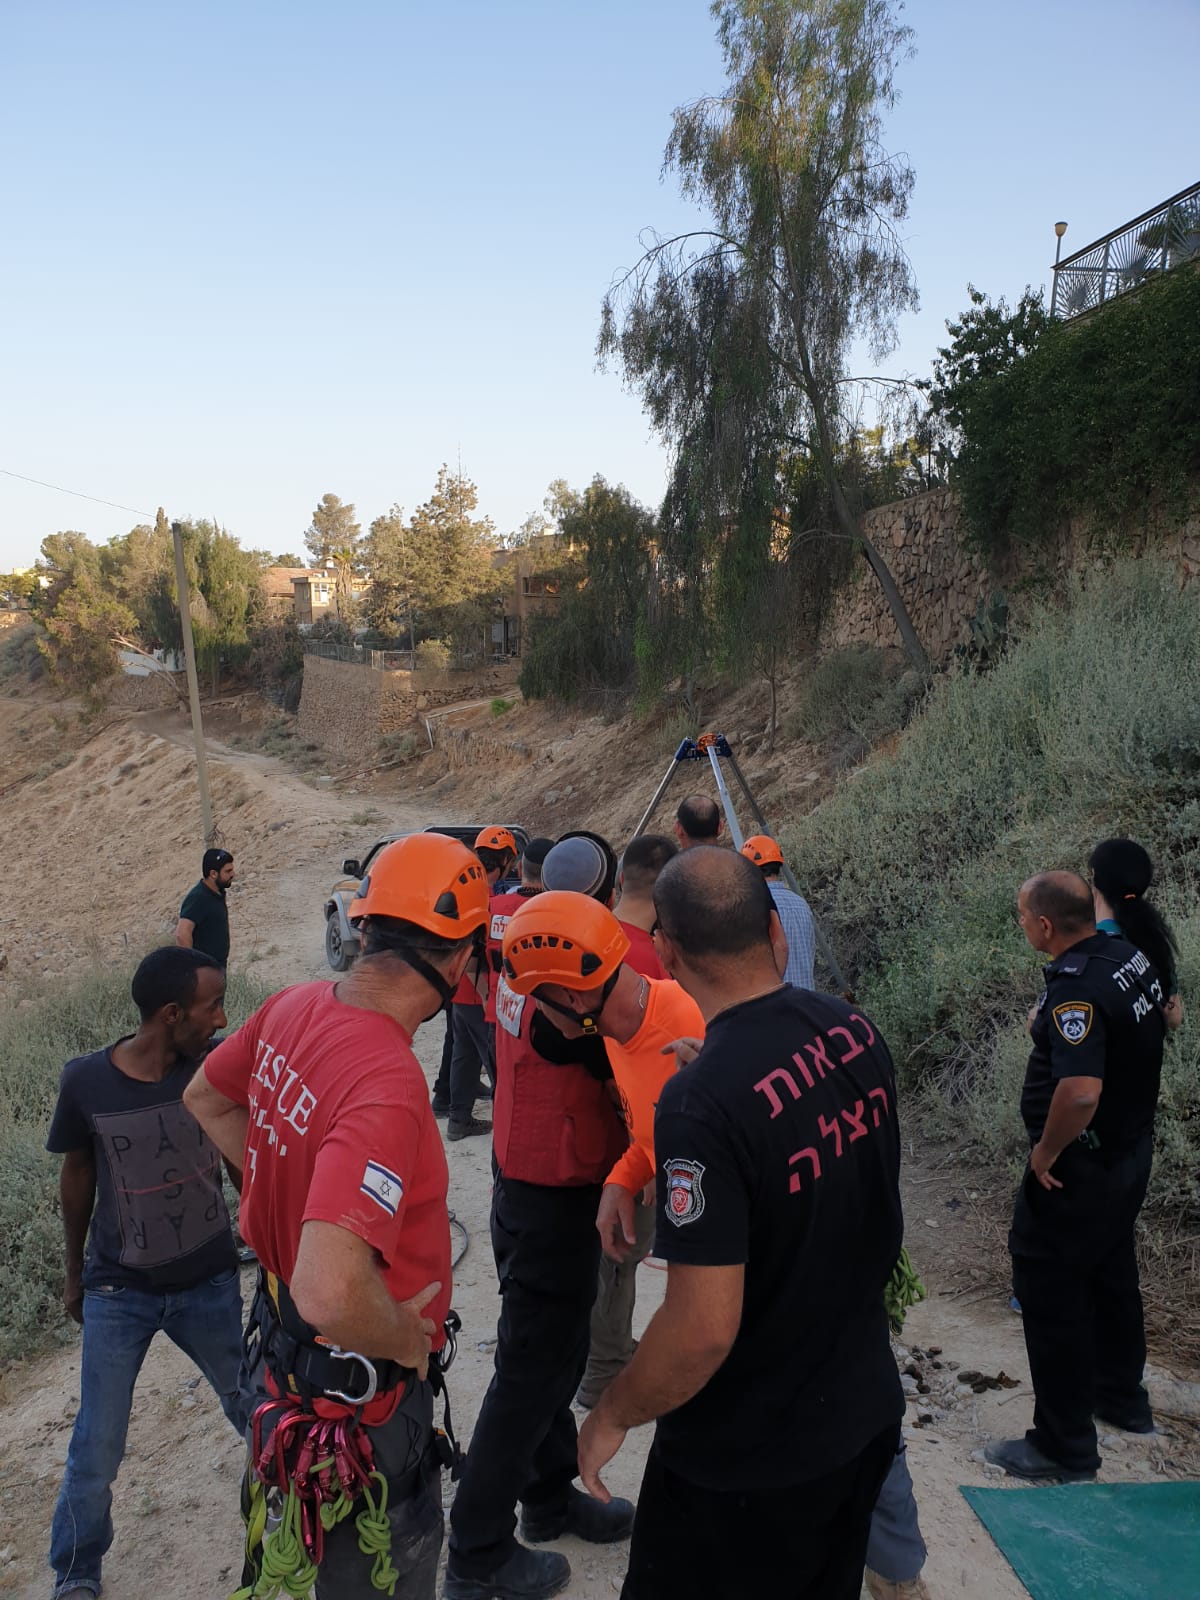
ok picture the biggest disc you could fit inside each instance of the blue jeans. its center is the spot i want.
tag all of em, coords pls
(118, 1325)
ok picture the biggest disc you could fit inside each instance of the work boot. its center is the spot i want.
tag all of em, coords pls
(1020, 1459)
(1131, 1415)
(441, 1105)
(525, 1575)
(906, 1589)
(1111, 1418)
(583, 1516)
(466, 1130)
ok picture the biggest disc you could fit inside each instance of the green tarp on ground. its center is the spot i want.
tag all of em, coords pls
(1098, 1541)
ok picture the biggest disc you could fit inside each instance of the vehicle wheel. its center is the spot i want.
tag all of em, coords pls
(339, 952)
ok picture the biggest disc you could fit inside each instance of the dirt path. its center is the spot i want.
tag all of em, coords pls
(118, 804)
(113, 833)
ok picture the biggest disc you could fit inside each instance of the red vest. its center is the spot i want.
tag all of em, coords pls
(550, 1125)
(500, 908)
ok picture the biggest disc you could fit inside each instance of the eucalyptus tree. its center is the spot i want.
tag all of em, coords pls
(738, 335)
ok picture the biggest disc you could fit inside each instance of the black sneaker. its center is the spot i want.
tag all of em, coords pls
(526, 1575)
(441, 1105)
(583, 1516)
(1020, 1459)
(466, 1130)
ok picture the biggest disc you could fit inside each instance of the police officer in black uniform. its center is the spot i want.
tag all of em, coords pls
(1088, 1105)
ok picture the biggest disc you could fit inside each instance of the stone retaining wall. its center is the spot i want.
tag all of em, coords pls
(463, 747)
(942, 583)
(346, 708)
(146, 691)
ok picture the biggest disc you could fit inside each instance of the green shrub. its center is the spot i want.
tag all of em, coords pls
(40, 1030)
(500, 706)
(671, 733)
(433, 655)
(1098, 418)
(20, 657)
(398, 747)
(1089, 726)
(857, 695)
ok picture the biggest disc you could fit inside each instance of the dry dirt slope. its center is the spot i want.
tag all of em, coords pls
(107, 847)
(108, 844)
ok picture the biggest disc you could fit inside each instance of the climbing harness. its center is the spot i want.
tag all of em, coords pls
(309, 1471)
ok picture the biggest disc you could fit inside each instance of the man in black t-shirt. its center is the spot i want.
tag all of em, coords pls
(141, 1189)
(204, 915)
(1088, 1103)
(769, 1366)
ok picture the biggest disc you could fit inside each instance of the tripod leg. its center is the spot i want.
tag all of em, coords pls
(658, 794)
(823, 945)
(735, 831)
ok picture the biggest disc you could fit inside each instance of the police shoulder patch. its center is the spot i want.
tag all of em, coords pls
(1073, 1019)
(685, 1194)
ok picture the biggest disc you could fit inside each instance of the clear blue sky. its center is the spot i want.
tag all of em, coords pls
(254, 252)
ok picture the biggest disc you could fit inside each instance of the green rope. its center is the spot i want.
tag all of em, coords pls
(904, 1290)
(286, 1567)
(375, 1536)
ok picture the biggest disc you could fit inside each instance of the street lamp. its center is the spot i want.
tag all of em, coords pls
(1059, 229)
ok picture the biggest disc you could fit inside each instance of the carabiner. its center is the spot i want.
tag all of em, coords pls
(372, 1378)
(452, 1327)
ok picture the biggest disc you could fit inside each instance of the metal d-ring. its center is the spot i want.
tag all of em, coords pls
(372, 1378)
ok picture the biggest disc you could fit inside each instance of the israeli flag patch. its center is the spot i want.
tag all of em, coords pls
(382, 1186)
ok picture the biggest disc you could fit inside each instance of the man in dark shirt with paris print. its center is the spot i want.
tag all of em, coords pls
(768, 1366)
(141, 1188)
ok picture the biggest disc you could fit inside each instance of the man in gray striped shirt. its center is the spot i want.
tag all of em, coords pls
(793, 910)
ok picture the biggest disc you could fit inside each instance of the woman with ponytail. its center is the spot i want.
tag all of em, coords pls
(1121, 874)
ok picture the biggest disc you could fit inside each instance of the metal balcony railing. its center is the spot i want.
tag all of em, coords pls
(1129, 257)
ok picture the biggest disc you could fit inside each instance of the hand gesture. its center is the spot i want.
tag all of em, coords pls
(614, 1221)
(685, 1050)
(1040, 1166)
(415, 1332)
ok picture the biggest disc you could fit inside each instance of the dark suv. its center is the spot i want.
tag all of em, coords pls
(341, 940)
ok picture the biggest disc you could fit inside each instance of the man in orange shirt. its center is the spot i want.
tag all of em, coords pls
(569, 952)
(612, 1342)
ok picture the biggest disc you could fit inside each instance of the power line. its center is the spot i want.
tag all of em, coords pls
(115, 504)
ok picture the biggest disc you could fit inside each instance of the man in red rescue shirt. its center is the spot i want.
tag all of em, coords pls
(319, 1098)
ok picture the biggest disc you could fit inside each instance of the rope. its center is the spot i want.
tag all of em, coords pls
(904, 1290)
(323, 1470)
(286, 1567)
(375, 1536)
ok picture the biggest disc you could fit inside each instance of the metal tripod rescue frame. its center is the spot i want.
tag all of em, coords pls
(715, 749)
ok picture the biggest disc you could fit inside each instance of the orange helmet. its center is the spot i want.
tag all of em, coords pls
(565, 938)
(428, 879)
(763, 850)
(496, 839)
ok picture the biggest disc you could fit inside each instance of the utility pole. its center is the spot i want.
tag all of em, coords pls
(189, 656)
